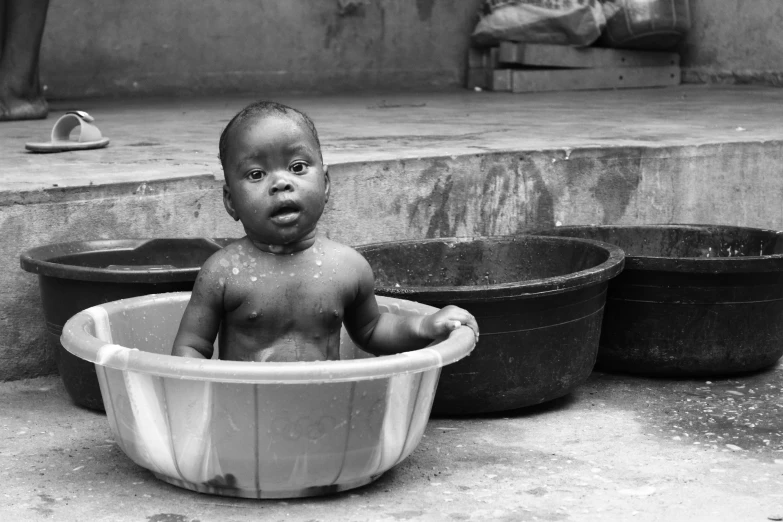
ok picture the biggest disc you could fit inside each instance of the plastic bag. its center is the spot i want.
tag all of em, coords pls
(560, 22)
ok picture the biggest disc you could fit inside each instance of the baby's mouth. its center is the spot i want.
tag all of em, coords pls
(285, 213)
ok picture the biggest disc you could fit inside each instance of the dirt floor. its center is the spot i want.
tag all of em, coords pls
(617, 448)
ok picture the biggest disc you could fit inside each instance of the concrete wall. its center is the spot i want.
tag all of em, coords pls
(490, 194)
(99, 47)
(734, 41)
(113, 47)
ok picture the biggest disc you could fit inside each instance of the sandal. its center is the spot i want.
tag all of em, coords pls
(89, 136)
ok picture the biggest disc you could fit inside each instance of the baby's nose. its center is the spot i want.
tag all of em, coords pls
(281, 184)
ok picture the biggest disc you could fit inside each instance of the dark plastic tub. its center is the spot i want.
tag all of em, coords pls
(538, 302)
(693, 300)
(645, 24)
(75, 276)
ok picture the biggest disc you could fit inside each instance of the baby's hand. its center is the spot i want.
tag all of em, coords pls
(447, 319)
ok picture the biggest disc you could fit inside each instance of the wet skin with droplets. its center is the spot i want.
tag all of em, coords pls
(282, 293)
(286, 307)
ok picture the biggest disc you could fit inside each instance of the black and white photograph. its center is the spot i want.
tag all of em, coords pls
(391, 260)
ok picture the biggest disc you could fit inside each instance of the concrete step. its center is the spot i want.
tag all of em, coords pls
(454, 163)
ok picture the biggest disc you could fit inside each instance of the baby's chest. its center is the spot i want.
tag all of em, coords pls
(288, 301)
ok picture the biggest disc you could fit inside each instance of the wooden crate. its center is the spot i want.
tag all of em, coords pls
(520, 67)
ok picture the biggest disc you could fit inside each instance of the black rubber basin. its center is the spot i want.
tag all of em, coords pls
(693, 300)
(538, 302)
(75, 276)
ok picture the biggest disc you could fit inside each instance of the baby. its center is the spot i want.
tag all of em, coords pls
(282, 292)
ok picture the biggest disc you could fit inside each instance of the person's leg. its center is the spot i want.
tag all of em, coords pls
(21, 97)
(2, 25)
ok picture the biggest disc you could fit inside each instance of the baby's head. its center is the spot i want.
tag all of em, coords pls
(260, 109)
(276, 182)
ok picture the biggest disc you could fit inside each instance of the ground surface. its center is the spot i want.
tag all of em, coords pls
(176, 138)
(618, 448)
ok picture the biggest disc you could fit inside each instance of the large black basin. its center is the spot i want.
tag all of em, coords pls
(78, 275)
(538, 301)
(693, 300)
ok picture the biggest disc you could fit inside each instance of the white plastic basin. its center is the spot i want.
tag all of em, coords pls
(259, 430)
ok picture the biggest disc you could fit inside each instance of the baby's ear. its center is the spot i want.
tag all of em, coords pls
(328, 187)
(228, 203)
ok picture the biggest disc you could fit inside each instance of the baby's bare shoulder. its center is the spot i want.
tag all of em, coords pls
(218, 265)
(344, 254)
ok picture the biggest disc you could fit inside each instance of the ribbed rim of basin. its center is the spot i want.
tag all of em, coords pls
(77, 340)
(530, 288)
(38, 260)
(705, 265)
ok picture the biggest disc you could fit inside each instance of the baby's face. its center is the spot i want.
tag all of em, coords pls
(276, 183)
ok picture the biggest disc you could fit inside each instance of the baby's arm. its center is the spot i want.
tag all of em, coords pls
(387, 333)
(201, 321)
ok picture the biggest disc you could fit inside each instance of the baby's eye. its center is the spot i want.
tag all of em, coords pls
(299, 167)
(256, 174)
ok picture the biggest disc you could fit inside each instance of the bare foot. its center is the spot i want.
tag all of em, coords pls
(13, 107)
